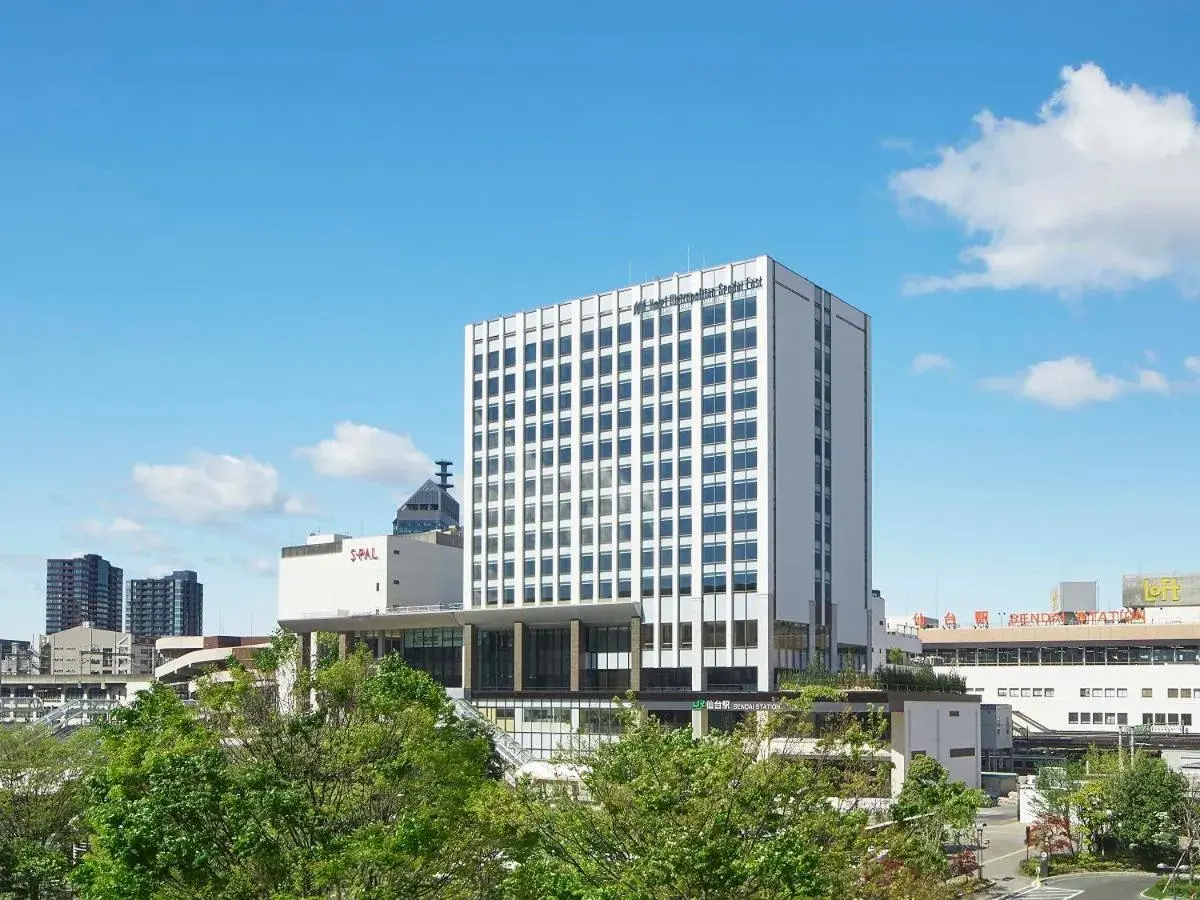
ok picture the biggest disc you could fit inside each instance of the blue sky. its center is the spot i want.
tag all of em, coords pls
(228, 228)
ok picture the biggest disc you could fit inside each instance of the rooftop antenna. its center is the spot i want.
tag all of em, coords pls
(443, 473)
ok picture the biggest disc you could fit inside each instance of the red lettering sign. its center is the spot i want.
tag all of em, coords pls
(358, 553)
(951, 620)
(1082, 617)
(981, 618)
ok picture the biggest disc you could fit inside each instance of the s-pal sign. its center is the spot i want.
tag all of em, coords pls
(362, 553)
(645, 306)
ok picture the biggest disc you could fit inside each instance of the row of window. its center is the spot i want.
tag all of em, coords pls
(741, 309)
(1107, 718)
(711, 554)
(552, 485)
(716, 583)
(742, 430)
(665, 354)
(1067, 655)
(551, 457)
(711, 522)
(1173, 693)
(549, 402)
(1025, 692)
(715, 635)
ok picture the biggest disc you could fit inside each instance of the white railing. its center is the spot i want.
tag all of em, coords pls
(378, 611)
(507, 747)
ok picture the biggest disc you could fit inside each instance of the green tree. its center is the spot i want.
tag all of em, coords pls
(41, 798)
(1054, 828)
(672, 816)
(896, 657)
(929, 792)
(378, 791)
(1145, 800)
(930, 806)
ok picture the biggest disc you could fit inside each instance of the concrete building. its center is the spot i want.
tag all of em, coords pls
(332, 575)
(656, 455)
(87, 651)
(17, 657)
(169, 606)
(85, 589)
(1086, 670)
(183, 661)
(88, 699)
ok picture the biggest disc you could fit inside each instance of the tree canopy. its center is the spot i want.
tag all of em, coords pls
(378, 790)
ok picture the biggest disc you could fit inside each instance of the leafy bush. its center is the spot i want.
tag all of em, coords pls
(917, 679)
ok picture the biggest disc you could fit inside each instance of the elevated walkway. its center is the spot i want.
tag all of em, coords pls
(508, 748)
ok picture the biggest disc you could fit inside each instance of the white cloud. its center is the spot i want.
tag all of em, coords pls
(369, 453)
(1073, 381)
(210, 487)
(262, 566)
(1101, 192)
(927, 362)
(123, 531)
(1192, 364)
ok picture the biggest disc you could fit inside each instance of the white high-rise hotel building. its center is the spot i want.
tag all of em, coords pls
(676, 449)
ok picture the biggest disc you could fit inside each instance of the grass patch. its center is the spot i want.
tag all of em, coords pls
(1179, 888)
(1068, 865)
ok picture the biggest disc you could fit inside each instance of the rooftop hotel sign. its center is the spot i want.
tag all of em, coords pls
(673, 300)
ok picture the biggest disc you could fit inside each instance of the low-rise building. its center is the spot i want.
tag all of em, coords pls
(183, 661)
(1085, 670)
(17, 657)
(84, 651)
(35, 697)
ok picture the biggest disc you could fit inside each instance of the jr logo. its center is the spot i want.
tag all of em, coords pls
(1160, 590)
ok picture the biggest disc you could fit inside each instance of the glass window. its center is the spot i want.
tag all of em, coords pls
(745, 338)
(712, 315)
(744, 308)
(745, 368)
(715, 636)
(624, 333)
(745, 633)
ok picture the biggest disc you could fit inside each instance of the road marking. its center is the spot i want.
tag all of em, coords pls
(991, 859)
(1042, 892)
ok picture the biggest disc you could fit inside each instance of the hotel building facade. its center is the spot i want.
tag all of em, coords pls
(695, 450)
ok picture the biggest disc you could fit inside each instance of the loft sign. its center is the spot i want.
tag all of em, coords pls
(362, 553)
(645, 306)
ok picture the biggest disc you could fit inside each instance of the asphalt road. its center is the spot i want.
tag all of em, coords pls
(1004, 847)
(1086, 887)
